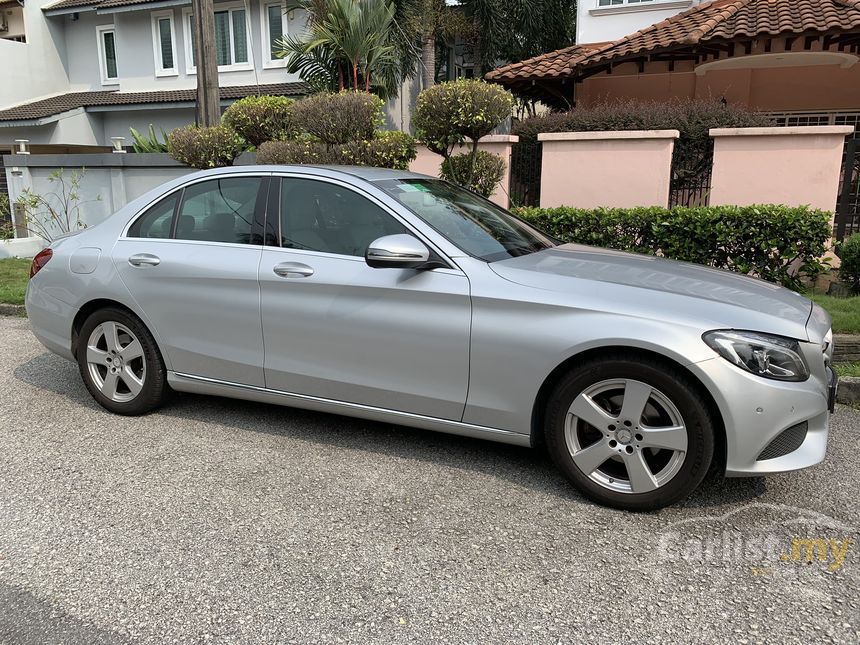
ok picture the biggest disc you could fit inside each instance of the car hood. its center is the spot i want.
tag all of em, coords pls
(662, 288)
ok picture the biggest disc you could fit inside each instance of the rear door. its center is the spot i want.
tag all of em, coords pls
(338, 329)
(190, 262)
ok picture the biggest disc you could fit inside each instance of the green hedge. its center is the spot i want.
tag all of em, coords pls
(777, 243)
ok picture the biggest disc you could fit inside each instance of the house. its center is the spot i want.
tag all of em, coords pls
(796, 59)
(79, 72)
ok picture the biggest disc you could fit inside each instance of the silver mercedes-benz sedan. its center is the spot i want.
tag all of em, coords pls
(401, 298)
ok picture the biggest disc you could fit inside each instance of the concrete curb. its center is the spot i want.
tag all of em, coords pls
(849, 391)
(12, 310)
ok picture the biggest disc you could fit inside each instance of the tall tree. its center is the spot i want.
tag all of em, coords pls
(348, 44)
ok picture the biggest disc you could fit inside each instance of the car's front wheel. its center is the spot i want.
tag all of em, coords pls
(120, 363)
(630, 432)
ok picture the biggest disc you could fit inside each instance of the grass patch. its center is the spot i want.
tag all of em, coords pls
(14, 273)
(847, 369)
(845, 312)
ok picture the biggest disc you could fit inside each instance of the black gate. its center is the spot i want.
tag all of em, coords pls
(692, 166)
(848, 208)
(526, 158)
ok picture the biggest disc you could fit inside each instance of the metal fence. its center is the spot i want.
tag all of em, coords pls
(526, 157)
(692, 167)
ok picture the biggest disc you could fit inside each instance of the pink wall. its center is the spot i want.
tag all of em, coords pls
(428, 163)
(616, 169)
(793, 166)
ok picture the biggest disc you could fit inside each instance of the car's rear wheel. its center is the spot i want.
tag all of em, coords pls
(120, 363)
(630, 432)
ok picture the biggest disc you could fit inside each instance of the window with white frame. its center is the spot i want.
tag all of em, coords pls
(274, 29)
(231, 38)
(164, 44)
(106, 36)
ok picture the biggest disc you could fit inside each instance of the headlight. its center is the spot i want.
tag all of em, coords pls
(762, 354)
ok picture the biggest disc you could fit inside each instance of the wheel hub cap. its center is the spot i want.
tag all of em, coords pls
(624, 436)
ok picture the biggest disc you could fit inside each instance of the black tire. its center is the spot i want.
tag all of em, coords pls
(155, 390)
(669, 380)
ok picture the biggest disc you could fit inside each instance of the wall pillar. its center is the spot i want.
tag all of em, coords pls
(793, 166)
(613, 169)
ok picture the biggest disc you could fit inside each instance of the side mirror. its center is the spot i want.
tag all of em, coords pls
(397, 252)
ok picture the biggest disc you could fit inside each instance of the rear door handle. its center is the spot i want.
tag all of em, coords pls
(293, 270)
(144, 260)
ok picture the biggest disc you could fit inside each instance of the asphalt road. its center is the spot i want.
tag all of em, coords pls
(227, 522)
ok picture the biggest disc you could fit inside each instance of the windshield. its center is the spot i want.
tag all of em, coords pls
(475, 225)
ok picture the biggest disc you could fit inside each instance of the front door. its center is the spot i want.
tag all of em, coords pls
(337, 329)
(190, 262)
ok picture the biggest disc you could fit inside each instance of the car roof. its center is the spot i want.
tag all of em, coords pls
(367, 173)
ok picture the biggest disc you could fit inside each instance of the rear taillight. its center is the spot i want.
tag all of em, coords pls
(40, 260)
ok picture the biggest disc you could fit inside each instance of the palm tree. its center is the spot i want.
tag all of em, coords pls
(349, 44)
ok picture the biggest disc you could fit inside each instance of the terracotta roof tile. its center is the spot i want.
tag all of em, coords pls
(719, 19)
(65, 102)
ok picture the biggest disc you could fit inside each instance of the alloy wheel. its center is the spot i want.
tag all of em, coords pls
(626, 436)
(115, 361)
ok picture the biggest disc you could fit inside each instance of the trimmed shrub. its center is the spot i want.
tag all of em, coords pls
(339, 118)
(849, 270)
(488, 171)
(391, 149)
(449, 113)
(691, 117)
(211, 147)
(261, 118)
(386, 150)
(777, 243)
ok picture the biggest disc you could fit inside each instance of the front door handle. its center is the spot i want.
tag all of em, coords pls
(144, 260)
(293, 270)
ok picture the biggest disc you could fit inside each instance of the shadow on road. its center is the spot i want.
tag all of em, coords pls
(26, 620)
(522, 466)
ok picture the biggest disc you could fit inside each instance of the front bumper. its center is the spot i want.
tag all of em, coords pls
(756, 411)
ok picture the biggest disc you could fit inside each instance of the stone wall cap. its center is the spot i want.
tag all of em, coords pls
(801, 130)
(609, 135)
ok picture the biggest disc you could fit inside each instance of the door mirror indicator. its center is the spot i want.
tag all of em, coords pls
(397, 252)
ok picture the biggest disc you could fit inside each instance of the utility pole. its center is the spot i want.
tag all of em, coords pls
(208, 100)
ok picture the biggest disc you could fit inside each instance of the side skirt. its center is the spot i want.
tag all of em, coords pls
(201, 385)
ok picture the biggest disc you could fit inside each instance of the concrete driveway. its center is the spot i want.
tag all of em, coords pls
(227, 522)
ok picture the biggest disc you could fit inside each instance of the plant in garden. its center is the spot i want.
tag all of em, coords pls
(339, 118)
(488, 171)
(261, 118)
(150, 141)
(348, 44)
(7, 231)
(777, 243)
(849, 270)
(59, 211)
(385, 150)
(451, 114)
(210, 147)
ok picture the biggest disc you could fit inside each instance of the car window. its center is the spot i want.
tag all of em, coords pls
(157, 220)
(474, 224)
(219, 210)
(320, 216)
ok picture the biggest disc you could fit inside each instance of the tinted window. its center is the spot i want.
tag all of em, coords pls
(474, 224)
(156, 221)
(219, 210)
(319, 216)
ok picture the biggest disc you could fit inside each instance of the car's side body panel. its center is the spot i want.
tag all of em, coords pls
(391, 338)
(204, 300)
